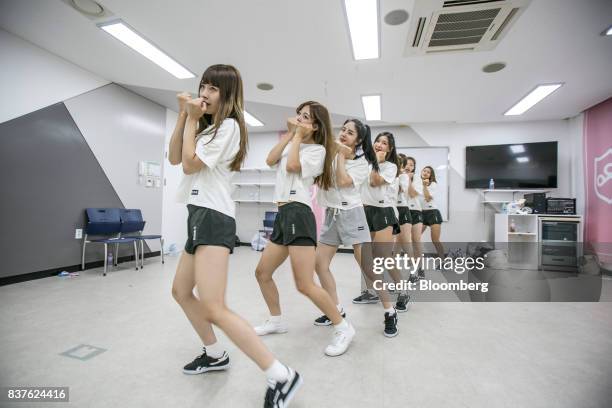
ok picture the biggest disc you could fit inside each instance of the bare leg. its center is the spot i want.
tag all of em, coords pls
(182, 292)
(273, 256)
(211, 264)
(303, 265)
(436, 230)
(381, 248)
(324, 255)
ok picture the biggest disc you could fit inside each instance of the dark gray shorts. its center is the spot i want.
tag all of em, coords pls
(209, 227)
(380, 218)
(295, 224)
(432, 217)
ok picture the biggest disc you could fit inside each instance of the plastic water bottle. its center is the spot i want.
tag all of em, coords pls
(491, 184)
(109, 258)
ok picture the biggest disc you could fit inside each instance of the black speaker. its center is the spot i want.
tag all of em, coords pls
(536, 201)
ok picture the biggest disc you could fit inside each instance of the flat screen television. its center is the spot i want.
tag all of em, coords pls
(512, 166)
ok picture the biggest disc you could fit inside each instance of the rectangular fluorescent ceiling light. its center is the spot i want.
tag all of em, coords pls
(517, 148)
(371, 107)
(135, 41)
(522, 159)
(362, 18)
(535, 96)
(609, 31)
(252, 120)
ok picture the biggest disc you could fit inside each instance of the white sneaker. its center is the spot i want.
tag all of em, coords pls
(341, 341)
(269, 327)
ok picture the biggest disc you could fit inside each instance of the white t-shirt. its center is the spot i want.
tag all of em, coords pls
(413, 202)
(379, 196)
(429, 205)
(402, 195)
(296, 186)
(345, 198)
(211, 187)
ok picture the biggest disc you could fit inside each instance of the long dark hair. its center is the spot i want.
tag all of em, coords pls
(392, 154)
(413, 165)
(364, 141)
(231, 105)
(323, 136)
(432, 177)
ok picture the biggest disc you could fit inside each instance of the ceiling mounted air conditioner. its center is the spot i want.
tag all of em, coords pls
(460, 25)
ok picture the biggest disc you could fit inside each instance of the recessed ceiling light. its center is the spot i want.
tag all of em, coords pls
(535, 96)
(135, 41)
(362, 18)
(252, 120)
(517, 148)
(264, 86)
(607, 31)
(88, 7)
(371, 107)
(494, 67)
(396, 17)
(522, 159)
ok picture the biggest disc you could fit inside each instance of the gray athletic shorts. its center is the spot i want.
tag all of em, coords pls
(345, 227)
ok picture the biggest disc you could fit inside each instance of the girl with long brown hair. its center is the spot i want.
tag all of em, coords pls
(431, 215)
(210, 142)
(302, 157)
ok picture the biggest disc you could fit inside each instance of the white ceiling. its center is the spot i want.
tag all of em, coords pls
(303, 48)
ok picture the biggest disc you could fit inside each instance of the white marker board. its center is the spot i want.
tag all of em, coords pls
(436, 157)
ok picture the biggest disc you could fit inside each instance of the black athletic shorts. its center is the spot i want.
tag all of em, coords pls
(432, 217)
(404, 215)
(380, 218)
(209, 227)
(416, 217)
(294, 225)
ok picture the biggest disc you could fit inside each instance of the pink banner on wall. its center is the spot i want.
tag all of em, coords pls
(598, 179)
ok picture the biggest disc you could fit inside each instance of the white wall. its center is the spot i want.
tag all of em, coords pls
(174, 218)
(32, 78)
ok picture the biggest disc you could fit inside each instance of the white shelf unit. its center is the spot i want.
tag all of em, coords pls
(517, 236)
(253, 194)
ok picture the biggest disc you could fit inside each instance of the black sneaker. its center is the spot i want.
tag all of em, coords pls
(413, 278)
(391, 329)
(280, 394)
(204, 363)
(366, 297)
(402, 302)
(421, 274)
(324, 320)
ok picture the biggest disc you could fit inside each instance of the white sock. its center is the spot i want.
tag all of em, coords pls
(277, 372)
(275, 319)
(339, 307)
(343, 325)
(390, 310)
(214, 350)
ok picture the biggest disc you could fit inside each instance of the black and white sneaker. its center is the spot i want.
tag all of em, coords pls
(366, 297)
(421, 274)
(324, 320)
(413, 278)
(204, 363)
(401, 305)
(391, 329)
(280, 394)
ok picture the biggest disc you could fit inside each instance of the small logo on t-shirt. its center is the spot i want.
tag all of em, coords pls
(292, 191)
(195, 192)
(360, 228)
(381, 202)
(344, 203)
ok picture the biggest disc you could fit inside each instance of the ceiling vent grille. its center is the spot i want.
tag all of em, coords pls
(460, 25)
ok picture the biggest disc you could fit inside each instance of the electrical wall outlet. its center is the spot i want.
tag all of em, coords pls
(78, 233)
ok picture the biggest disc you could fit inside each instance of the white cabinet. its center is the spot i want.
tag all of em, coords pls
(253, 194)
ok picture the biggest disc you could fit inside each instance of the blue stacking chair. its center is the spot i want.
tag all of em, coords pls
(132, 222)
(105, 222)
